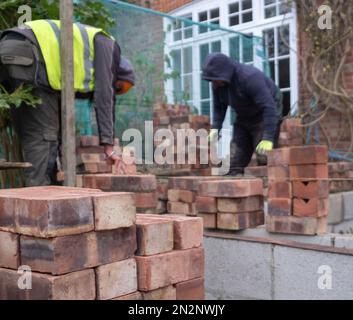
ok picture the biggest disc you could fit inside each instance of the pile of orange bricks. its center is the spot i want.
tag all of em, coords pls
(298, 190)
(231, 204)
(81, 244)
(174, 117)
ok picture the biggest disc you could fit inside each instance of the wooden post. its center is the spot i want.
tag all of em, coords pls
(67, 94)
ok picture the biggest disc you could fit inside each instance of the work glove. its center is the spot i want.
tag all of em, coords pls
(213, 135)
(264, 146)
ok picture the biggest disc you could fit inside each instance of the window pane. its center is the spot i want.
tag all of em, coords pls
(187, 23)
(248, 51)
(188, 33)
(216, 46)
(234, 7)
(284, 73)
(270, 12)
(247, 4)
(204, 51)
(267, 2)
(286, 100)
(187, 60)
(234, 48)
(177, 35)
(203, 29)
(188, 87)
(247, 17)
(269, 37)
(176, 25)
(176, 54)
(205, 89)
(214, 13)
(234, 21)
(272, 70)
(285, 8)
(283, 40)
(205, 108)
(203, 16)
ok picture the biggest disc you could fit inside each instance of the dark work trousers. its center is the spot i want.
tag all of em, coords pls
(246, 137)
(38, 129)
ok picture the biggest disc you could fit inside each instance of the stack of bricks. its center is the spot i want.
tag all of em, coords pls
(91, 158)
(341, 176)
(291, 133)
(162, 195)
(174, 117)
(170, 257)
(298, 190)
(79, 244)
(144, 187)
(231, 204)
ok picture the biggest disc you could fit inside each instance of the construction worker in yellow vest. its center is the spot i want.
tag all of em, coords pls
(31, 55)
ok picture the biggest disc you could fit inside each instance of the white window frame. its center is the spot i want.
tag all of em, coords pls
(239, 13)
(209, 19)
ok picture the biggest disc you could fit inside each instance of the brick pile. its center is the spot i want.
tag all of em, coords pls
(79, 244)
(144, 187)
(298, 190)
(170, 257)
(231, 204)
(291, 133)
(174, 117)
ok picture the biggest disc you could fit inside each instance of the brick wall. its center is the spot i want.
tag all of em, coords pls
(162, 5)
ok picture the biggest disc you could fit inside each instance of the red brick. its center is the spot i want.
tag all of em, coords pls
(154, 235)
(146, 199)
(187, 196)
(134, 183)
(114, 210)
(9, 250)
(279, 189)
(73, 286)
(167, 293)
(239, 221)
(132, 296)
(311, 207)
(169, 268)
(259, 172)
(278, 157)
(71, 253)
(308, 155)
(92, 157)
(231, 188)
(296, 225)
(319, 171)
(206, 204)
(162, 191)
(102, 181)
(116, 279)
(187, 183)
(173, 195)
(7, 213)
(278, 173)
(311, 189)
(178, 207)
(188, 231)
(209, 220)
(280, 207)
(191, 290)
(237, 205)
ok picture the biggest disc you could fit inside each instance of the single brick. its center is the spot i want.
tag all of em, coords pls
(231, 188)
(279, 189)
(308, 155)
(311, 189)
(309, 171)
(187, 183)
(313, 207)
(237, 205)
(116, 279)
(187, 196)
(73, 286)
(280, 207)
(92, 157)
(7, 213)
(167, 293)
(278, 173)
(191, 290)
(71, 253)
(134, 183)
(101, 181)
(277, 157)
(206, 204)
(209, 220)
(173, 195)
(146, 199)
(178, 207)
(9, 250)
(296, 225)
(114, 210)
(239, 221)
(164, 269)
(131, 296)
(153, 235)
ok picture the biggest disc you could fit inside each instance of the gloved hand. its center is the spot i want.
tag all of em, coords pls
(264, 146)
(212, 135)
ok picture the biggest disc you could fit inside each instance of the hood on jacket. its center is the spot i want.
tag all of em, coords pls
(218, 67)
(126, 71)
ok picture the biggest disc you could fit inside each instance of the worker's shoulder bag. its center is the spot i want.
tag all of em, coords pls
(20, 59)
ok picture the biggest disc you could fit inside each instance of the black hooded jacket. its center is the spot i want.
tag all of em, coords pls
(248, 91)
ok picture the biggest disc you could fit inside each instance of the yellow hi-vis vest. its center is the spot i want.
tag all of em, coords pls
(47, 33)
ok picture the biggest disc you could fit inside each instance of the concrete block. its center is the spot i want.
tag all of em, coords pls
(335, 215)
(348, 205)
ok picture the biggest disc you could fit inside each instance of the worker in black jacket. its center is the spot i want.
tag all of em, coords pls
(257, 103)
(31, 55)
